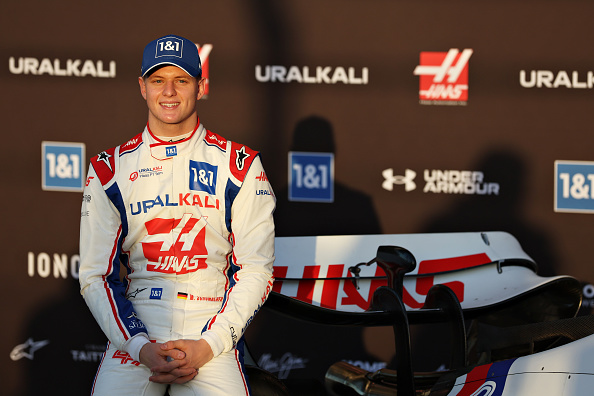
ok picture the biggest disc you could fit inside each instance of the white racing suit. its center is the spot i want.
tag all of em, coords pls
(177, 242)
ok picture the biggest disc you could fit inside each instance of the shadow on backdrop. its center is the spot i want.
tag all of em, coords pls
(351, 213)
(62, 347)
(494, 212)
(297, 351)
(277, 35)
(502, 212)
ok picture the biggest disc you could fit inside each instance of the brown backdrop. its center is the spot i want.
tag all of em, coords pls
(509, 131)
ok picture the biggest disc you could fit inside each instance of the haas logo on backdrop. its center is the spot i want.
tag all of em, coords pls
(443, 77)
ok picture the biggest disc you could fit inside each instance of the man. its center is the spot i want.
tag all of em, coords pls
(188, 215)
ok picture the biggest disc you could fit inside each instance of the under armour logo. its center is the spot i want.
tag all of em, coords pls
(407, 179)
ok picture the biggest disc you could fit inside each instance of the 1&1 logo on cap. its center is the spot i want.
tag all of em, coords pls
(169, 46)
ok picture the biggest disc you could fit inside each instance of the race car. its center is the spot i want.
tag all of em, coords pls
(511, 331)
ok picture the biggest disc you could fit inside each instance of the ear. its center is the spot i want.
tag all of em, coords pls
(201, 88)
(142, 87)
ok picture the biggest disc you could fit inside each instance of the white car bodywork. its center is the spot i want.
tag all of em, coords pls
(563, 371)
(484, 269)
(441, 258)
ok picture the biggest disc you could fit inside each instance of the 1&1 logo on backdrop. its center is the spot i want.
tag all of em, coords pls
(574, 186)
(311, 177)
(63, 166)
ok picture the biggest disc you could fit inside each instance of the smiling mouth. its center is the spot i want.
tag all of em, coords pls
(170, 105)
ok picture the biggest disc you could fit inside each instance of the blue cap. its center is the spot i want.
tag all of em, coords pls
(171, 50)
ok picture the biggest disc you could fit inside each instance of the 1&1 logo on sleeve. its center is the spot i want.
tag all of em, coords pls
(63, 166)
(203, 177)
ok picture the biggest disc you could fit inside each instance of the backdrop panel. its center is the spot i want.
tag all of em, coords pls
(457, 116)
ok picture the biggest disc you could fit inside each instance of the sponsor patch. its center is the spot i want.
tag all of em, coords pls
(212, 139)
(175, 246)
(124, 358)
(156, 293)
(203, 177)
(171, 151)
(169, 46)
(191, 297)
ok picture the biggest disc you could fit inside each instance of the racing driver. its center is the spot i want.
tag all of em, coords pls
(176, 242)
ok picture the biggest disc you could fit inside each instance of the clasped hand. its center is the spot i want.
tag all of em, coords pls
(175, 362)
